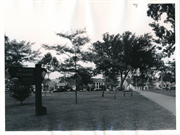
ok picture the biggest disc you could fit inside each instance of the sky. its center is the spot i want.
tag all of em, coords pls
(38, 21)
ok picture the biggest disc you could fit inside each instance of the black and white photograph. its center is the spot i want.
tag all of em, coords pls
(89, 67)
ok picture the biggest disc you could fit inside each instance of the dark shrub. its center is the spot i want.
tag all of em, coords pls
(20, 92)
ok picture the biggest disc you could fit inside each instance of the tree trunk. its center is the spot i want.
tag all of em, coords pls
(121, 85)
(115, 94)
(103, 92)
(122, 79)
(121, 82)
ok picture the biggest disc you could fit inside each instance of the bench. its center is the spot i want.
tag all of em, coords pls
(128, 91)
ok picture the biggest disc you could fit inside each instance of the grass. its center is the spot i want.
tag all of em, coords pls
(171, 93)
(92, 112)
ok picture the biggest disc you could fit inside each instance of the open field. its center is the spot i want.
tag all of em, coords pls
(92, 112)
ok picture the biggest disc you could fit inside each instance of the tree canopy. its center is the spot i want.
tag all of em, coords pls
(166, 37)
(73, 50)
(50, 63)
(121, 53)
(85, 74)
(16, 53)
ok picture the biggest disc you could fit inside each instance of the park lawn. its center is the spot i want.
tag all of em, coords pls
(92, 112)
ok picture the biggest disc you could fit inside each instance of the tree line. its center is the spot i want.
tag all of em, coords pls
(116, 55)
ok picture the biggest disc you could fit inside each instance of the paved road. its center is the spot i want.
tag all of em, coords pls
(167, 102)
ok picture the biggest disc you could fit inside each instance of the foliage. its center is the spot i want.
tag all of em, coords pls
(171, 67)
(85, 74)
(139, 80)
(46, 60)
(46, 80)
(73, 51)
(168, 77)
(77, 80)
(121, 54)
(16, 53)
(83, 77)
(70, 81)
(165, 37)
(20, 92)
(169, 72)
(50, 63)
(111, 82)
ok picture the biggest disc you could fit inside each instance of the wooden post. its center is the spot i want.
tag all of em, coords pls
(39, 109)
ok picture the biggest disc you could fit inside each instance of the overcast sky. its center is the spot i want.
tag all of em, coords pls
(39, 21)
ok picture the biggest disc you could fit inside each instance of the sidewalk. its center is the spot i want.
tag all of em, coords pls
(167, 102)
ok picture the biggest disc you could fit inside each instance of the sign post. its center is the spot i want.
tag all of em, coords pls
(24, 75)
(39, 109)
(31, 76)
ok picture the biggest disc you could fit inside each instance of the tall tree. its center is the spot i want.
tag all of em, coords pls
(166, 37)
(76, 39)
(145, 56)
(16, 53)
(120, 54)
